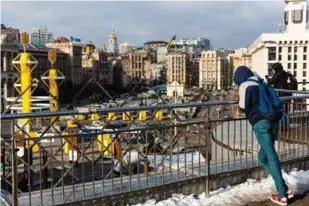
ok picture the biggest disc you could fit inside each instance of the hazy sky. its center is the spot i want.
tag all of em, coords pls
(226, 24)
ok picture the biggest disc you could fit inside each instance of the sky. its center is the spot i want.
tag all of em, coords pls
(228, 24)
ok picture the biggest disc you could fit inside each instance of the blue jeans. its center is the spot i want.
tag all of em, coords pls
(266, 132)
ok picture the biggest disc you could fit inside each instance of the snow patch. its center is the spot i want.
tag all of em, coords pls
(242, 194)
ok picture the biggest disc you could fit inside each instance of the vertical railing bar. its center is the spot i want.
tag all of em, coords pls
(171, 152)
(207, 149)
(83, 166)
(186, 155)
(234, 145)
(246, 145)
(102, 163)
(72, 167)
(146, 161)
(162, 160)
(178, 170)
(130, 168)
(228, 143)
(92, 166)
(14, 166)
(40, 173)
(241, 149)
(28, 167)
(51, 171)
(138, 164)
(222, 141)
(62, 144)
(199, 149)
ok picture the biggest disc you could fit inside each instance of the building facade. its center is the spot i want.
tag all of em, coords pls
(41, 36)
(215, 70)
(9, 35)
(112, 43)
(176, 67)
(75, 73)
(96, 65)
(161, 54)
(154, 45)
(290, 47)
(241, 57)
(136, 66)
(125, 48)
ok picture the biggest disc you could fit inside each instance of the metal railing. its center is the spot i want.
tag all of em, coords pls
(143, 147)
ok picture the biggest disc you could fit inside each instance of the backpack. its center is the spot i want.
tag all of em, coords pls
(291, 82)
(270, 106)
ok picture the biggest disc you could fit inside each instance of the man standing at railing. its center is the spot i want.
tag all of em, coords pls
(264, 129)
(283, 80)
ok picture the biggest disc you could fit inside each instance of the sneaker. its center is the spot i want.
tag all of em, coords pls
(290, 194)
(278, 200)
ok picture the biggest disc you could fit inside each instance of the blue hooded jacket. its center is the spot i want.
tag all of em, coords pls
(248, 94)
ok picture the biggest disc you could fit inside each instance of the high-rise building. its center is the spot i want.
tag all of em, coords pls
(290, 47)
(41, 36)
(112, 43)
(125, 47)
(176, 66)
(215, 70)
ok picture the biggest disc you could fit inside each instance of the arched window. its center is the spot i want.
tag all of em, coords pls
(297, 16)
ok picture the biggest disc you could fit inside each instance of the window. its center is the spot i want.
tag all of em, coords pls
(295, 49)
(289, 57)
(295, 73)
(270, 70)
(295, 66)
(289, 49)
(305, 57)
(280, 57)
(272, 53)
(297, 16)
(304, 73)
(286, 17)
(304, 65)
(304, 82)
(280, 49)
(289, 65)
(295, 57)
(304, 88)
(305, 49)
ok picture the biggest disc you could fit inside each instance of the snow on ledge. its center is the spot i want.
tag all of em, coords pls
(242, 194)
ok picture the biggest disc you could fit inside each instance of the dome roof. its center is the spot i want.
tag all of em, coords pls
(113, 35)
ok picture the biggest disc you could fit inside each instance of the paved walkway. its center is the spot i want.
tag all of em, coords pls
(302, 201)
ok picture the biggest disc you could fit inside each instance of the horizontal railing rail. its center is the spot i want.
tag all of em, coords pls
(129, 109)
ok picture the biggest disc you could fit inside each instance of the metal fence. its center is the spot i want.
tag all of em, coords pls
(93, 154)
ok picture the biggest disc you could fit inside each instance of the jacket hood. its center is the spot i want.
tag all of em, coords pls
(241, 75)
(277, 67)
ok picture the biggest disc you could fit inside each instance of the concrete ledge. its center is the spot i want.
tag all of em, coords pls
(193, 186)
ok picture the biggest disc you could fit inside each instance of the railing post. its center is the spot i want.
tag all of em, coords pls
(14, 167)
(208, 151)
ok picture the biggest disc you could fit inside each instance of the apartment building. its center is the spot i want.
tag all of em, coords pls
(215, 70)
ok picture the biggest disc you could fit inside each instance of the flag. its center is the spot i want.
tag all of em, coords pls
(172, 43)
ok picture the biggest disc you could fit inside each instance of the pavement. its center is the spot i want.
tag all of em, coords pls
(298, 201)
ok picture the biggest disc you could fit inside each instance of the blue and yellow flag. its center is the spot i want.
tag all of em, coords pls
(172, 43)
